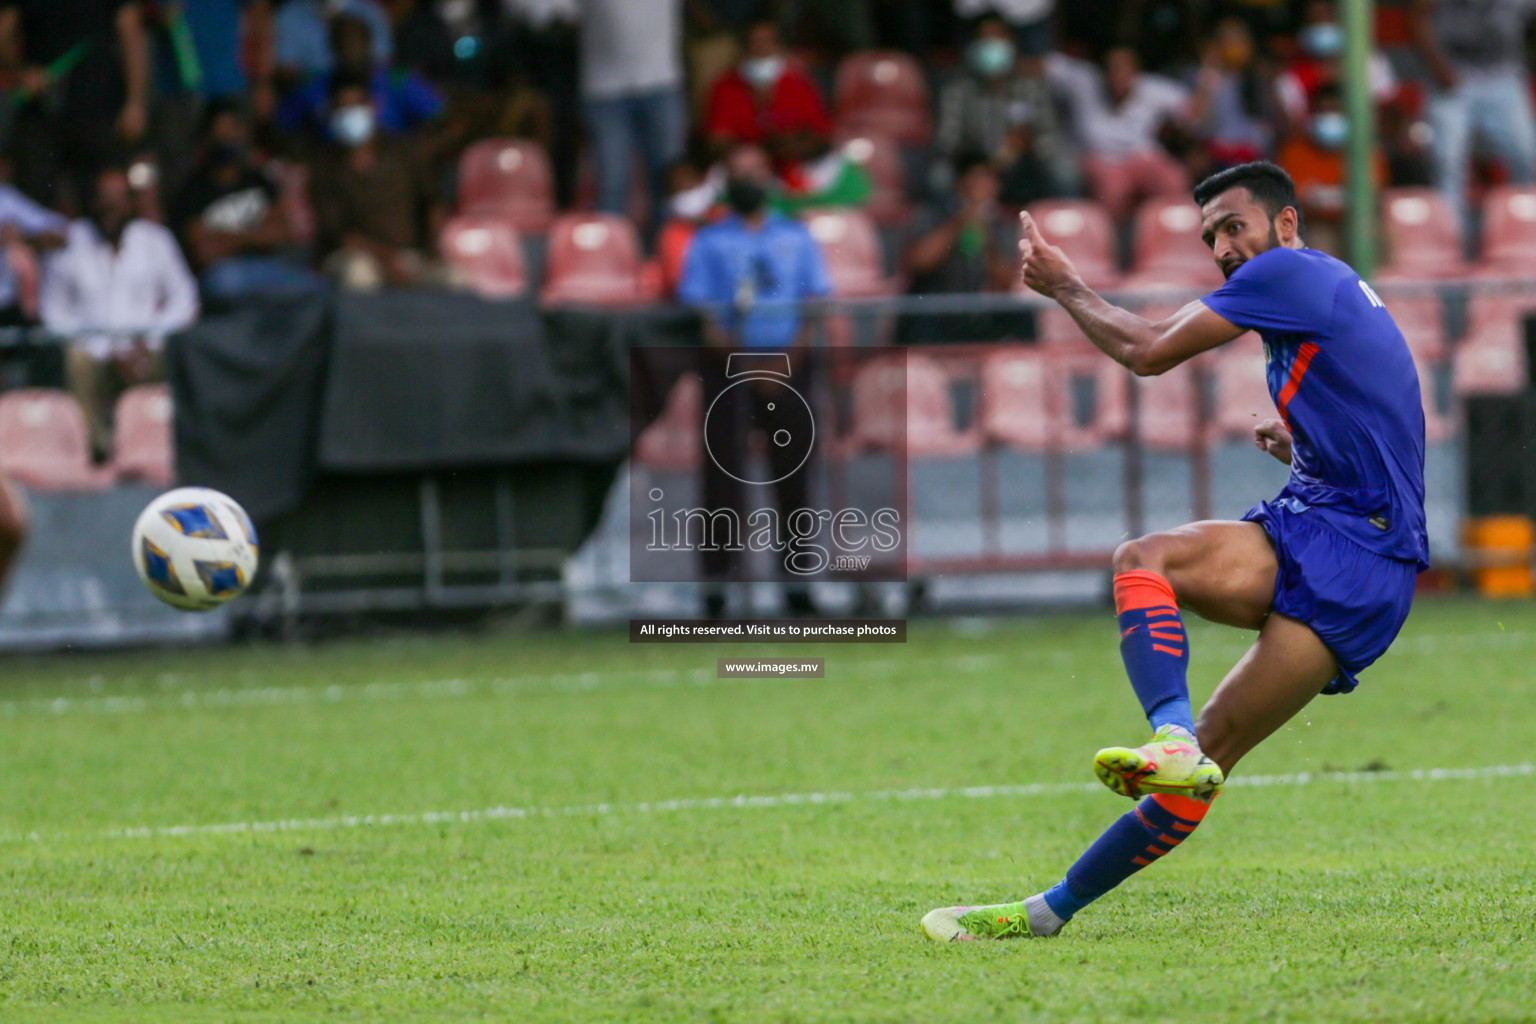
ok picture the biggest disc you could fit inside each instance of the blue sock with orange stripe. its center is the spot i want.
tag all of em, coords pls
(1154, 647)
(1153, 828)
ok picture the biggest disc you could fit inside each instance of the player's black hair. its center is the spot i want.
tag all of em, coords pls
(1268, 183)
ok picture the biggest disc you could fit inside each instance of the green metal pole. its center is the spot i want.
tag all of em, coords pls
(1360, 108)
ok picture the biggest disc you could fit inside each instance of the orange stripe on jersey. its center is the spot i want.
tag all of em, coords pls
(1139, 589)
(1168, 650)
(1298, 370)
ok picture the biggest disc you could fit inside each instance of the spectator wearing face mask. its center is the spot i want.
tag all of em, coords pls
(765, 100)
(1314, 158)
(1320, 41)
(375, 201)
(1004, 106)
(747, 272)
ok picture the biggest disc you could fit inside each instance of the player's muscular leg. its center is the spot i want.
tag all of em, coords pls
(1224, 571)
(1285, 668)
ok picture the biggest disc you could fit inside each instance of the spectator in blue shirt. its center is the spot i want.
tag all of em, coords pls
(403, 100)
(748, 272)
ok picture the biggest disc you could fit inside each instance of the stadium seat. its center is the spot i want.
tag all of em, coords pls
(1437, 425)
(1169, 252)
(595, 260)
(1168, 409)
(44, 441)
(1083, 230)
(881, 160)
(883, 92)
(852, 247)
(485, 254)
(1490, 359)
(675, 440)
(1019, 398)
(1423, 242)
(1419, 316)
(141, 435)
(880, 409)
(511, 178)
(1242, 390)
(1509, 232)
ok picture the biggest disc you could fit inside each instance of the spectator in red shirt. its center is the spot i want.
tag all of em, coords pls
(766, 101)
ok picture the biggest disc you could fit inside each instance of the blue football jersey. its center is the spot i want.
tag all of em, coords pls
(1345, 384)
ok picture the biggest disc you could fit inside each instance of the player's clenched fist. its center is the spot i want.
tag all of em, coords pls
(1042, 266)
(1272, 437)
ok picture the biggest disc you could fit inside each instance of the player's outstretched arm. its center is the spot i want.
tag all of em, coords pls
(1146, 347)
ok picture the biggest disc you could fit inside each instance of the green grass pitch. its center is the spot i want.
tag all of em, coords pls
(566, 843)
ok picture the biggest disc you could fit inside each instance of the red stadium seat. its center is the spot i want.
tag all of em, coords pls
(1509, 232)
(1083, 230)
(1020, 398)
(675, 440)
(511, 178)
(881, 160)
(913, 392)
(1418, 315)
(44, 441)
(1423, 241)
(1169, 252)
(1168, 409)
(1243, 400)
(485, 254)
(1491, 357)
(595, 260)
(883, 92)
(141, 435)
(852, 247)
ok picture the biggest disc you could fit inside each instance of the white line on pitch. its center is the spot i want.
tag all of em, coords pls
(1206, 638)
(748, 802)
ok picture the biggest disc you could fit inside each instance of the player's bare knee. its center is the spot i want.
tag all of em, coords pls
(1148, 554)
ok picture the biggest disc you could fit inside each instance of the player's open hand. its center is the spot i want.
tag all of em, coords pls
(1042, 266)
(1271, 436)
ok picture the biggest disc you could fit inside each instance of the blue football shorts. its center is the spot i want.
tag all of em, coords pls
(1355, 600)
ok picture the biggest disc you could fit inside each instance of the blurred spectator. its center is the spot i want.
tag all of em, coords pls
(827, 178)
(229, 219)
(26, 229)
(424, 40)
(766, 100)
(303, 43)
(1320, 42)
(1005, 106)
(754, 256)
(1314, 158)
(1029, 21)
(83, 86)
(540, 36)
(376, 207)
(1166, 32)
(1239, 121)
(1475, 50)
(1118, 112)
(116, 289)
(200, 58)
(632, 86)
(403, 100)
(693, 200)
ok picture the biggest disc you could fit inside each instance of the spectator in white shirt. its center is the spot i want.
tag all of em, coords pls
(1118, 113)
(115, 290)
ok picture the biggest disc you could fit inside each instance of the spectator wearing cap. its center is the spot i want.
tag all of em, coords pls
(83, 85)
(1118, 111)
(1475, 50)
(632, 90)
(116, 289)
(1029, 21)
(766, 100)
(229, 219)
(1005, 106)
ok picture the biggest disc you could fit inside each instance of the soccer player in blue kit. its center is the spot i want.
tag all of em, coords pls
(1324, 572)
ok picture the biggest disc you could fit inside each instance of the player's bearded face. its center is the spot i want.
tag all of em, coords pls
(1248, 245)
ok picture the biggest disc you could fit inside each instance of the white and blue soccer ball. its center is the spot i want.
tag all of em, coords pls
(195, 548)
